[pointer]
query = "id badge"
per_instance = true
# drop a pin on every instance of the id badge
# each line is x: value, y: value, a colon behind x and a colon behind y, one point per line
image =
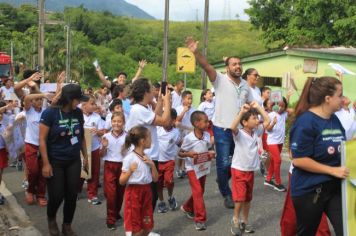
x: 74, y: 140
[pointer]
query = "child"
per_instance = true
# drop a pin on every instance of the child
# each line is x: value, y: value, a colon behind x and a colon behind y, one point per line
x: 168, y: 139
x: 111, y: 152
x: 184, y: 112
x: 94, y: 122
x: 138, y: 171
x: 197, y: 141
x: 207, y: 105
x: 115, y: 106
x: 244, y: 162
x: 36, y: 182
x: 275, y: 139
x: 3, y: 153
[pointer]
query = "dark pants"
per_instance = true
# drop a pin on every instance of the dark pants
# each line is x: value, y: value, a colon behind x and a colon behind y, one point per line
x: 63, y: 185
x: 309, y: 213
x: 224, y: 147
x: 154, y: 188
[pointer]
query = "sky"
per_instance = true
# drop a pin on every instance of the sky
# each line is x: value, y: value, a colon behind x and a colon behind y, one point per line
x: 186, y: 10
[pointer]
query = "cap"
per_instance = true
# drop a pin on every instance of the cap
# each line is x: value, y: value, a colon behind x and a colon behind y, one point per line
x: 74, y: 91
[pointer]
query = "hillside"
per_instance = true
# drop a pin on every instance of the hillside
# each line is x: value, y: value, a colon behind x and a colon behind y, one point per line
x: 116, y: 7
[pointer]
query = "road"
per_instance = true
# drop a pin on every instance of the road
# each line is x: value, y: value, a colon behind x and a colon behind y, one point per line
x: 265, y: 212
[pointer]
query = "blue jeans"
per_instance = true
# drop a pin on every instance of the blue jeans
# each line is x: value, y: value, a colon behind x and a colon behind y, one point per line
x: 224, y: 145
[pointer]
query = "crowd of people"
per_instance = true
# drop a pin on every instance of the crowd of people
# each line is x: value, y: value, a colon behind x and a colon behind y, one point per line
x: 145, y: 133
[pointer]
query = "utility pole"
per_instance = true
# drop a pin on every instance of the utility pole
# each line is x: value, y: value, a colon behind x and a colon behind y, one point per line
x: 12, y: 58
x: 165, y: 42
x: 41, y: 24
x: 67, y: 27
x: 205, y: 39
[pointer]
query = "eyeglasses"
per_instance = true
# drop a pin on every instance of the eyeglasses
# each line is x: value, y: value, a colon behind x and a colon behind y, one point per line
x: 256, y: 75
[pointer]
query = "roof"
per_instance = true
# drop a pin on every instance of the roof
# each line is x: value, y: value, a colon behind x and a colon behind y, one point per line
x: 339, y: 53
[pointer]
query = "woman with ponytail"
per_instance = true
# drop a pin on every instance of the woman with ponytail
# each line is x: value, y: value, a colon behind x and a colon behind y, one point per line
x: 315, y: 140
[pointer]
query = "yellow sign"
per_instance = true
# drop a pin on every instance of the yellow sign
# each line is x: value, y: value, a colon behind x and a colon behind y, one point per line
x: 185, y: 61
x: 349, y: 188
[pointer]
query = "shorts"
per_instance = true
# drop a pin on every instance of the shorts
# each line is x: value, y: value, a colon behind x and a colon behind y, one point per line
x: 242, y: 185
x: 138, y: 211
x: 165, y: 174
x: 3, y: 158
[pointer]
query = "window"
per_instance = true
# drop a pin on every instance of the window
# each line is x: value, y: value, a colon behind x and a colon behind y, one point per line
x: 271, y: 81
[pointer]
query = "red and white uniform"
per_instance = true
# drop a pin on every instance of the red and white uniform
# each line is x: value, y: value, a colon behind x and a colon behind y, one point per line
x: 114, y: 192
x: 138, y: 212
x: 3, y: 153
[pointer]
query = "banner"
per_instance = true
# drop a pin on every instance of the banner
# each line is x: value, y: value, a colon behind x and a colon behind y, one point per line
x: 348, y: 159
x: 202, y: 164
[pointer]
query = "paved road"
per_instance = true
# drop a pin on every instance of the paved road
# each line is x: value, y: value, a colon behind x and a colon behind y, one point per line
x: 90, y: 220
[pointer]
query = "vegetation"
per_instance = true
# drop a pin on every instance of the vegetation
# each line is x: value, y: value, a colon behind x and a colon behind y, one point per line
x: 117, y: 42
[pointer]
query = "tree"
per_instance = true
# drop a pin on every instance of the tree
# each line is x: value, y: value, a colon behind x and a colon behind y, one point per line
x: 304, y: 22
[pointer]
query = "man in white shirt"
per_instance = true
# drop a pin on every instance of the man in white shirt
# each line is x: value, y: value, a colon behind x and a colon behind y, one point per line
x: 231, y: 92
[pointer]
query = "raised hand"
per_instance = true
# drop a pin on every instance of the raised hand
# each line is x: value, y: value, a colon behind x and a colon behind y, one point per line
x: 142, y: 64
x: 192, y: 44
x: 245, y: 108
x: 61, y: 77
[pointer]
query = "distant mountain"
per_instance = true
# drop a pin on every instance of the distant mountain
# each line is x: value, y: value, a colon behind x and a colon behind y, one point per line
x: 116, y: 7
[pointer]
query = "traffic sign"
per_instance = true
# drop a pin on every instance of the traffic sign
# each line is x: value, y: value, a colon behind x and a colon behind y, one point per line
x: 185, y: 61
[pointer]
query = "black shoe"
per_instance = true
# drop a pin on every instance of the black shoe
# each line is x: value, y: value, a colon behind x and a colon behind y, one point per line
x: 229, y: 203
x: 280, y: 188
x: 269, y: 183
x: 111, y: 226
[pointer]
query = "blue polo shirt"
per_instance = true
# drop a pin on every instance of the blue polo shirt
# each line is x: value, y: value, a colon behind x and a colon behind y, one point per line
x: 317, y: 138
x: 62, y: 128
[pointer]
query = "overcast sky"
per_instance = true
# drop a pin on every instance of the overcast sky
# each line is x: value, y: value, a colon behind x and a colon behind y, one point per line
x: 186, y: 10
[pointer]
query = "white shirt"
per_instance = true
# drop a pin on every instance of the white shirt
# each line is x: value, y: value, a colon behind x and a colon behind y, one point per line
x: 348, y: 121
x: 192, y: 143
x: 185, y: 125
x: 208, y: 108
x: 7, y: 92
x: 277, y: 134
x: 229, y: 99
x: 246, y: 150
x: 33, y: 126
x: 141, y: 115
x: 94, y: 120
x: 168, y: 141
x: 256, y: 95
x: 143, y: 173
x: 176, y: 99
x: 2, y: 131
x: 113, y: 150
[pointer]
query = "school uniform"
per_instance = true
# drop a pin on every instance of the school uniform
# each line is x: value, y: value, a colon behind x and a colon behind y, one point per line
x: 36, y: 181
x: 94, y: 120
x: 209, y: 109
x: 114, y: 192
x: 185, y: 125
x: 3, y: 153
x: 138, y: 211
x: 176, y: 99
x: 168, y: 149
x: 195, y: 203
x: 244, y: 162
x: 275, y: 140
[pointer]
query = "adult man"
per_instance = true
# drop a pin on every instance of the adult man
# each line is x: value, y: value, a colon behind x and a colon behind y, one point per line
x: 231, y: 92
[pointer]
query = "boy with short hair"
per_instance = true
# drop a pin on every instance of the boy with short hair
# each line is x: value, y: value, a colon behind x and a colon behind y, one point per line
x: 244, y: 162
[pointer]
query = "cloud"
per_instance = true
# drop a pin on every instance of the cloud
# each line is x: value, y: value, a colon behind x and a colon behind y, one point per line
x: 189, y: 10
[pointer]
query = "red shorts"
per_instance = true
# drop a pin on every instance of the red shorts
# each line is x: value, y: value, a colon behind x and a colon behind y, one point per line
x: 138, y: 211
x: 3, y: 158
x: 242, y: 185
x: 165, y: 174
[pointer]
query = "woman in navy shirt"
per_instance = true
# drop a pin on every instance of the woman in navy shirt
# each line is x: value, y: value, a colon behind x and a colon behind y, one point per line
x: 315, y: 138
x: 61, y: 140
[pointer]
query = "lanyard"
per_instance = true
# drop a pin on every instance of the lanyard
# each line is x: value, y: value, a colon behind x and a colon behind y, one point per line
x: 238, y: 89
x: 69, y: 128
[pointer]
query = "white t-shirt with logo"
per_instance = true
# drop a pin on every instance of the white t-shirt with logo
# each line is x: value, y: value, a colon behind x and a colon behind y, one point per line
x: 348, y: 121
x: 113, y: 150
x: 246, y: 150
x: 94, y: 120
x: 192, y: 143
x: 142, y: 175
x: 141, y: 115
x: 176, y: 99
x: 168, y: 143
x: 33, y: 118
x: 278, y: 133
x: 229, y: 99
x: 208, y: 108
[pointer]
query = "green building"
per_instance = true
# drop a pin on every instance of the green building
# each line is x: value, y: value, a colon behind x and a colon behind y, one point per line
x: 279, y: 69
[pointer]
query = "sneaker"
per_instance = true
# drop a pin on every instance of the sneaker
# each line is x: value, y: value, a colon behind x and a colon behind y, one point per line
x: 235, y: 228
x: 200, y: 226
x: 172, y: 203
x: 189, y: 215
x: 229, y: 203
x: 184, y: 173
x: 111, y: 226
x: 13, y: 164
x: 30, y: 199
x: 153, y: 234
x: 180, y: 174
x: 19, y: 166
x: 269, y: 183
x: 280, y: 188
x: 94, y: 201
x: 24, y: 184
x: 162, y: 208
x: 249, y: 229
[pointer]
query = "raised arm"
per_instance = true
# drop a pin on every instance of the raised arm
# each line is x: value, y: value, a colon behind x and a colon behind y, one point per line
x: 141, y: 65
x: 166, y: 116
x: 265, y: 117
x: 101, y: 75
x: 27, y: 102
x: 203, y: 62
x: 236, y: 121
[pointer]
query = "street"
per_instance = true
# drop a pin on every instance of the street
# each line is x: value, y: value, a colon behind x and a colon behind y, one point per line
x: 265, y: 211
